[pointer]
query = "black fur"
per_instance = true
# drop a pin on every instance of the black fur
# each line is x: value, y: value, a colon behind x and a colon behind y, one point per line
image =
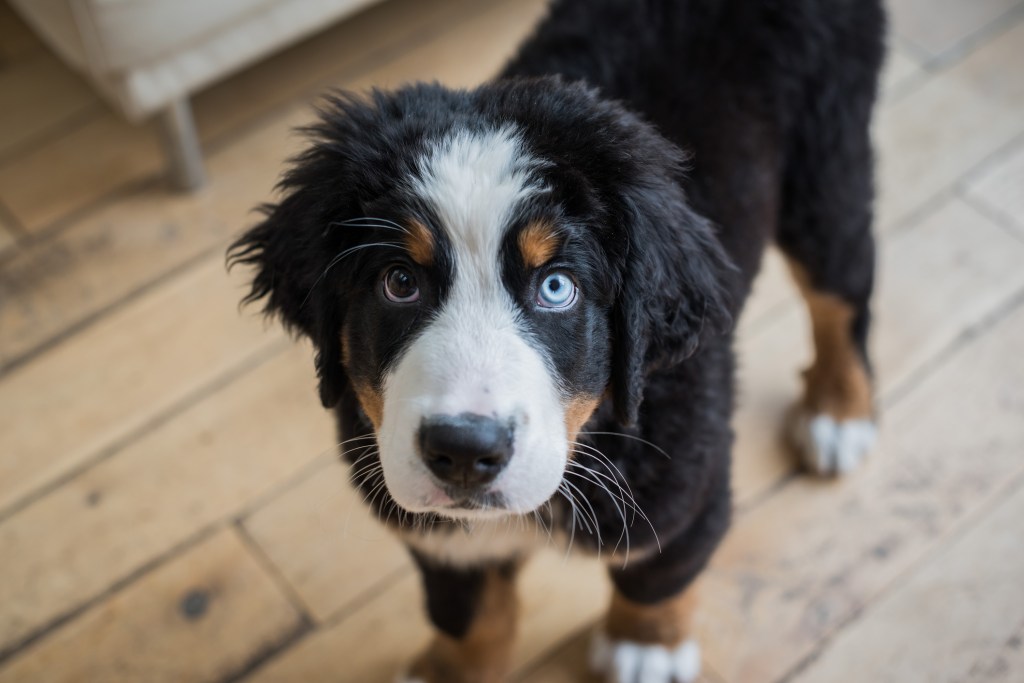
x: 771, y: 100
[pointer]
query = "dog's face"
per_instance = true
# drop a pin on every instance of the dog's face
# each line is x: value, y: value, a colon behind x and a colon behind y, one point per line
x: 481, y: 269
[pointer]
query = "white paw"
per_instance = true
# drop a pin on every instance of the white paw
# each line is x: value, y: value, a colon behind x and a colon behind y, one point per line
x: 406, y: 678
x: 830, y: 447
x: 622, y: 661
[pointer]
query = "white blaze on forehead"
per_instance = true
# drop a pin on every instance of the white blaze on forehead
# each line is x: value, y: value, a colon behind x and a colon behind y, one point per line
x: 474, y: 180
x: 475, y: 356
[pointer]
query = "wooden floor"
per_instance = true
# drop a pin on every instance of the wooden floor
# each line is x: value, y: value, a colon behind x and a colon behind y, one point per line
x: 171, y: 508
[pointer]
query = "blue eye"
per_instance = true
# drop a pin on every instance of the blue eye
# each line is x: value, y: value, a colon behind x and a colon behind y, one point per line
x: 557, y: 290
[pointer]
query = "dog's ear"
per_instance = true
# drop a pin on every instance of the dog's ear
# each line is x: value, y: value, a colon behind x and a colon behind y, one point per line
x: 291, y: 249
x: 674, y: 287
x: 287, y: 254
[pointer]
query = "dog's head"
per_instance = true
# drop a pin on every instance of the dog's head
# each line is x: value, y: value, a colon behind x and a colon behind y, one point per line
x: 483, y: 269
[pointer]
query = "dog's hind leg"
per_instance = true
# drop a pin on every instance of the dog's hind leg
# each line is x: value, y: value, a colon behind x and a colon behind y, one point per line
x: 825, y: 231
x: 475, y: 612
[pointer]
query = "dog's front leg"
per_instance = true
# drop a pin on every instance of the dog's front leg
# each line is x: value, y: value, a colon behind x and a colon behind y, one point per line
x: 647, y: 643
x: 474, y: 611
x: 647, y: 634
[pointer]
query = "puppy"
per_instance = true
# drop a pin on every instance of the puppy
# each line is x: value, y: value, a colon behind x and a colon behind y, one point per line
x: 522, y: 298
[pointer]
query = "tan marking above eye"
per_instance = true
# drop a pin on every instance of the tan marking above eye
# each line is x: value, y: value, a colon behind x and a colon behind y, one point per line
x: 538, y: 242
x: 419, y: 242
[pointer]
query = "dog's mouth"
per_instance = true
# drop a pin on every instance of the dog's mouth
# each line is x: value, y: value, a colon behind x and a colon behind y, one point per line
x: 476, y: 503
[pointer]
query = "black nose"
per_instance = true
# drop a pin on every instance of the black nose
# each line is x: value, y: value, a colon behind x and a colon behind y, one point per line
x: 465, y: 450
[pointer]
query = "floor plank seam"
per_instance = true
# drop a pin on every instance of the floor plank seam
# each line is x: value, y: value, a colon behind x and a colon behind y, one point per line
x: 207, y: 389
x: 1005, y: 151
x: 260, y: 556
x: 311, y: 628
x: 269, y: 652
x: 52, y: 133
x: 200, y: 534
x: 890, y: 398
x: 957, y: 345
x: 313, y: 467
x: 958, y: 531
x: 972, y: 42
x: 552, y: 653
x: 366, y: 597
x: 11, y: 222
x: 993, y: 214
x: 189, y: 264
x: 11, y: 650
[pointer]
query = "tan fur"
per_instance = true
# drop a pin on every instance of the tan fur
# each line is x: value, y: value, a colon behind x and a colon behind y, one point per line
x: 419, y: 242
x: 837, y: 383
x: 666, y: 623
x: 537, y: 243
x: 369, y: 398
x: 483, y: 655
x: 372, y: 402
x: 577, y: 412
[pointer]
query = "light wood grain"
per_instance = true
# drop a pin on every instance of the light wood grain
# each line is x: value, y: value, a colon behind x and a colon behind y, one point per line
x: 17, y: 42
x: 373, y: 642
x: 969, y: 600
x: 936, y: 27
x: 901, y: 70
x: 1000, y: 187
x: 58, y: 283
x: 144, y: 633
x: 811, y: 556
x: 7, y: 239
x: 217, y: 457
x: 325, y: 541
x: 971, y: 265
x: 774, y: 291
x: 83, y: 162
x: 952, y: 122
x: 38, y: 96
x: 96, y: 389
x: 372, y: 645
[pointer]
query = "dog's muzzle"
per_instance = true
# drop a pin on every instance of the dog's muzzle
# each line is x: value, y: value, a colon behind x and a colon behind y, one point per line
x: 465, y: 452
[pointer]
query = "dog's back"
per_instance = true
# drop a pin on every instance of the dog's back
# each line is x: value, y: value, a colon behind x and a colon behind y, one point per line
x: 748, y: 87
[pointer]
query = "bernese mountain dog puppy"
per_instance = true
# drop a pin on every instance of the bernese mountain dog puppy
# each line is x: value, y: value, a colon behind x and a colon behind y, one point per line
x: 521, y: 298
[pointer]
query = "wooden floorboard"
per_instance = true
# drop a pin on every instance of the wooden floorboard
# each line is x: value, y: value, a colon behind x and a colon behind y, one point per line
x: 122, y: 374
x: 171, y: 504
x: 814, y: 554
x: 201, y: 468
x: 972, y: 110
x: 201, y: 617
x: 968, y: 600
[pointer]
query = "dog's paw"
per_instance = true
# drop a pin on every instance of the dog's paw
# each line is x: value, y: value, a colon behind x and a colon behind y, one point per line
x: 408, y: 678
x: 621, y: 661
x: 828, y: 446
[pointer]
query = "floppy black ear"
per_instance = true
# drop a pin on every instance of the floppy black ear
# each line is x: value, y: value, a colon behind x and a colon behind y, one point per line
x: 674, y: 288
x: 287, y: 251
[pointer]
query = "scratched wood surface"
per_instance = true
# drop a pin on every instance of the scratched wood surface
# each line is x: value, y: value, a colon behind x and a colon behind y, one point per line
x: 171, y: 508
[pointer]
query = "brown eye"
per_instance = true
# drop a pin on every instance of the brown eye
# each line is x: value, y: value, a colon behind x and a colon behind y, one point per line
x: 400, y: 286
